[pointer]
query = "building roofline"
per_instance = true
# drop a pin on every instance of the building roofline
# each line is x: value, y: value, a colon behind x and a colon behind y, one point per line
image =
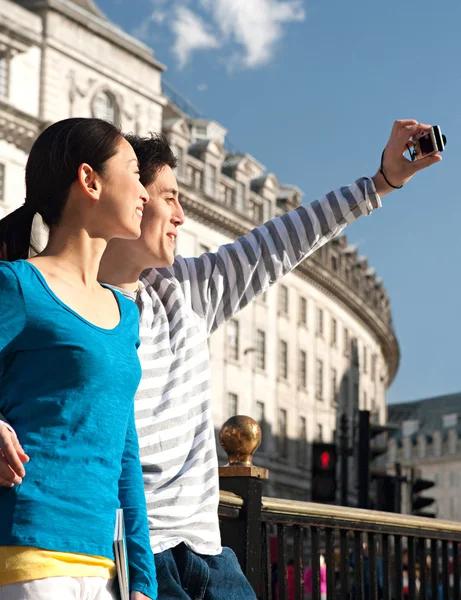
x: 97, y: 23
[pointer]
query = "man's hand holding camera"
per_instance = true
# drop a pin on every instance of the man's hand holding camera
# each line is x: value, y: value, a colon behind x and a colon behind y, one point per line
x: 396, y: 170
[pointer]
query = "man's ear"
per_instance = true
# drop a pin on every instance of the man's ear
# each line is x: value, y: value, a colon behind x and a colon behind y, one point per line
x: 89, y: 181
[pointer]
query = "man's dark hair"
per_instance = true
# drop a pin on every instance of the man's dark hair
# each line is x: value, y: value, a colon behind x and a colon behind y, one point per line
x: 153, y: 153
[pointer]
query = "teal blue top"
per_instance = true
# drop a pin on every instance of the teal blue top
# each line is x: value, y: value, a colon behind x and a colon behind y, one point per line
x: 67, y: 387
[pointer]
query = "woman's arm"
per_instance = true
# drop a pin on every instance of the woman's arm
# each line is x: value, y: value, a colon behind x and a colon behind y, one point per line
x: 12, y: 323
x: 132, y: 500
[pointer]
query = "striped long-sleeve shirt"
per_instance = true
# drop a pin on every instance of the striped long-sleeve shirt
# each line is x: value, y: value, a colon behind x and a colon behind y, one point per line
x: 180, y: 307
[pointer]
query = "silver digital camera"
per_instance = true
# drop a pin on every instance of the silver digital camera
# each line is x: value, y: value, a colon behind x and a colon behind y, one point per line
x: 429, y: 142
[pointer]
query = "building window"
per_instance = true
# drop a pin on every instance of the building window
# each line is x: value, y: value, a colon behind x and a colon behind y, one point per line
x: 347, y: 343
x: 453, y: 478
x: 202, y: 249
x: 2, y: 182
x: 260, y: 350
x: 356, y: 394
x: 319, y: 322
x: 283, y: 360
x: 365, y: 401
x: 365, y: 360
x: 200, y: 132
x: 334, y: 263
x: 373, y: 367
x: 266, y: 210
x: 4, y: 76
x: 211, y: 176
x: 194, y: 177
x: 233, y: 339
x: 283, y: 436
x: 105, y: 107
x: 345, y: 391
x: 261, y: 420
x: 260, y: 413
x: 178, y: 151
x: 233, y: 404
x: 302, y: 380
x: 240, y: 196
x: 227, y: 195
x: 302, y: 311
x: 258, y: 211
x: 355, y: 352
x: 302, y: 441
x: 334, y: 332
x: 334, y: 386
x: 319, y: 432
x: 284, y: 299
x: 319, y: 379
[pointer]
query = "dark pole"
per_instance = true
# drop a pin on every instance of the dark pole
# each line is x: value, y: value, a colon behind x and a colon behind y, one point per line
x: 364, y: 458
x: 344, y: 452
x: 398, y: 488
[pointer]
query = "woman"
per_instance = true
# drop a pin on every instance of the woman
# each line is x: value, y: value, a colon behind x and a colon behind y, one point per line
x: 69, y: 371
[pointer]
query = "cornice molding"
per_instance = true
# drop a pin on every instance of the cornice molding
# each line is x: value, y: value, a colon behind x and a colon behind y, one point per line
x: 17, y: 127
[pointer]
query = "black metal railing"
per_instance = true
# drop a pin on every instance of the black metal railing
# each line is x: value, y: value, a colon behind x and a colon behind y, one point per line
x: 299, y: 550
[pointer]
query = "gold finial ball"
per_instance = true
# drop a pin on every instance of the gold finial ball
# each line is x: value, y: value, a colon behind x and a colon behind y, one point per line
x: 240, y: 437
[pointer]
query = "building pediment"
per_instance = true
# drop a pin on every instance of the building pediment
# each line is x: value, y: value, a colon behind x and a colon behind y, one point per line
x: 266, y: 182
x: 245, y: 163
x: 178, y: 126
x: 202, y: 147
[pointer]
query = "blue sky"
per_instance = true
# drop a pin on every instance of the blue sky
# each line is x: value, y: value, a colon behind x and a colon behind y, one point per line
x: 311, y: 89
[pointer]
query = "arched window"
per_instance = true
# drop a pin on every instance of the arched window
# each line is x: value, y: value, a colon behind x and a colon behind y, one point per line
x: 105, y: 107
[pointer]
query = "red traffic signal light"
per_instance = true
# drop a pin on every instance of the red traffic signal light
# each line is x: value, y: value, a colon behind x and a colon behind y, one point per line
x: 325, y: 460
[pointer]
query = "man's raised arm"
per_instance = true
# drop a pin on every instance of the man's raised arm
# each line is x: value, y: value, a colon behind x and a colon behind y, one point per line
x: 224, y: 282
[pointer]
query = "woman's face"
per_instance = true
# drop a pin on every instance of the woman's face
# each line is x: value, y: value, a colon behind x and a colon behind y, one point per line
x: 122, y: 197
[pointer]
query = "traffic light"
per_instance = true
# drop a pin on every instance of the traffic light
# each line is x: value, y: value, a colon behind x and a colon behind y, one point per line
x: 324, y: 460
x: 388, y: 497
x: 368, y: 452
x: 418, y: 502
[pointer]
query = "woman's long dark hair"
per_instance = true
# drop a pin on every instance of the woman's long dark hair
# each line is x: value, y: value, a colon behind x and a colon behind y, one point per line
x: 52, y: 168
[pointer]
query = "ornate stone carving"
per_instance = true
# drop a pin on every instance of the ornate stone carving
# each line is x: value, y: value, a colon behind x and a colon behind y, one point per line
x: 18, y: 128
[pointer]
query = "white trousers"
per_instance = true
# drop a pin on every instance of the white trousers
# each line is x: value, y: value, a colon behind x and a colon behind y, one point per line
x: 60, y: 588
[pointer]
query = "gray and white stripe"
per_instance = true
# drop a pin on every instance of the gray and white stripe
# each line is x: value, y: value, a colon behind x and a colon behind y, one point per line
x: 180, y: 307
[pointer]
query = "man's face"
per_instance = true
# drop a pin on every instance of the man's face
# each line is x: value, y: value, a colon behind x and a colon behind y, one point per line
x: 162, y: 216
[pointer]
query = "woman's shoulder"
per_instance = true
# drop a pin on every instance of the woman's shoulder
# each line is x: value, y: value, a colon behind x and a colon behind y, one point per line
x: 17, y: 274
x: 10, y: 272
x: 11, y: 286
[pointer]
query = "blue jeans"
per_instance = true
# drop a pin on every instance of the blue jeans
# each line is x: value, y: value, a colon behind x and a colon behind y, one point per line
x: 184, y: 575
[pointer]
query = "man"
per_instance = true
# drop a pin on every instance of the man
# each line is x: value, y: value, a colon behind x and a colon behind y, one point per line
x: 181, y: 302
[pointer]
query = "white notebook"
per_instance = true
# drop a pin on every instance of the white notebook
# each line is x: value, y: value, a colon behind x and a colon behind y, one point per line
x: 121, y: 556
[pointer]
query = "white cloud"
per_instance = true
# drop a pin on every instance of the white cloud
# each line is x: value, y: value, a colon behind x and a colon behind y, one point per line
x: 159, y: 16
x: 255, y: 25
x: 191, y: 33
x: 249, y: 29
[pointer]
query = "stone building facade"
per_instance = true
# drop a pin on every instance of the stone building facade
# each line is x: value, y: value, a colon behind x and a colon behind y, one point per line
x: 60, y: 59
x: 316, y: 345
x: 429, y: 440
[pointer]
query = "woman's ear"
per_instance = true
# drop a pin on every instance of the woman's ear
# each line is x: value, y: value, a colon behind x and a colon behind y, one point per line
x: 89, y: 181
